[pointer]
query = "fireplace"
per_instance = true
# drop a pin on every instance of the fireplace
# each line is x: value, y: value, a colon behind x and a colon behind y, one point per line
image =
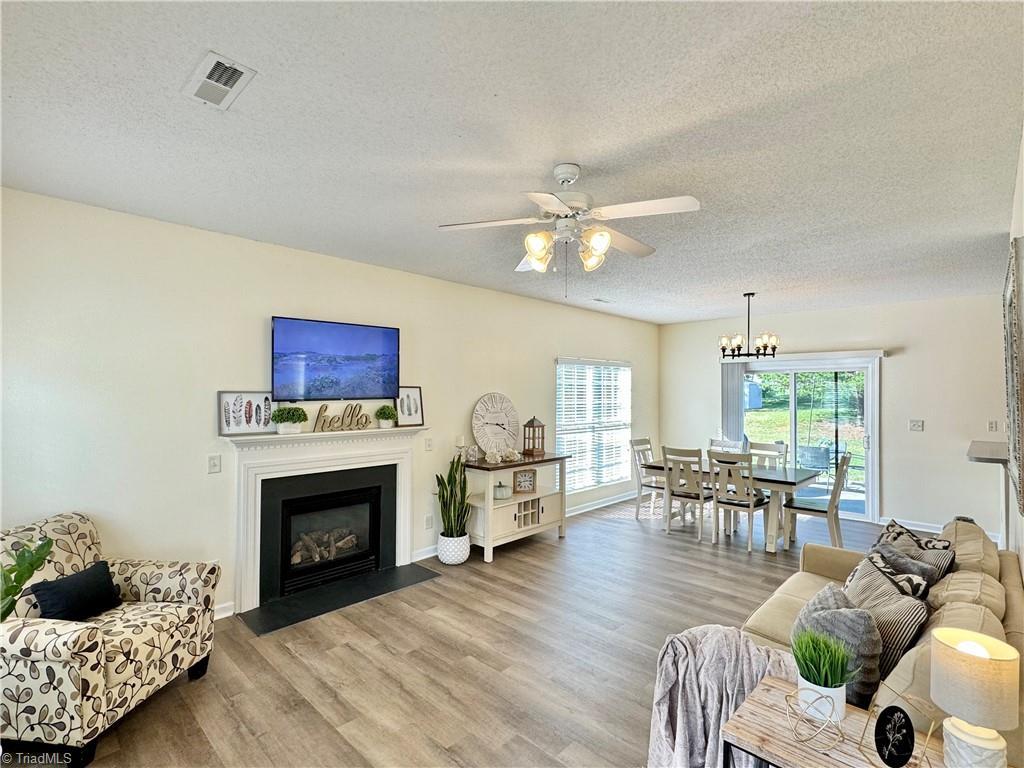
x: 325, y: 527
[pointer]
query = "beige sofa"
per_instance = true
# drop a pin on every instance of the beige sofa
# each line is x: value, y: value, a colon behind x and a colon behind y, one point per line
x: 984, y: 593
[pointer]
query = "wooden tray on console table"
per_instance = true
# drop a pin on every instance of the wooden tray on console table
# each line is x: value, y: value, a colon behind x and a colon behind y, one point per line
x: 494, y: 522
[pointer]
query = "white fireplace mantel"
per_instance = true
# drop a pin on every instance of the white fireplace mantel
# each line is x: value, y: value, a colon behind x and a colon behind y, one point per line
x: 262, y: 457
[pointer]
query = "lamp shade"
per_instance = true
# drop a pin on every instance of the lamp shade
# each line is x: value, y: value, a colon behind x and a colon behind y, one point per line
x: 975, y: 677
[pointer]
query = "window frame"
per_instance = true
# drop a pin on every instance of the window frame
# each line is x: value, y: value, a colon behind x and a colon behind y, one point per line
x: 627, y: 425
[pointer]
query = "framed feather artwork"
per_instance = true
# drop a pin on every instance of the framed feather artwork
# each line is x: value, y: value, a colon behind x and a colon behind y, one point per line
x: 244, y: 413
x: 410, y: 407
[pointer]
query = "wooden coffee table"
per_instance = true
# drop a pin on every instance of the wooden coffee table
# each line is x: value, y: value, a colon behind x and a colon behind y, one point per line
x: 759, y: 727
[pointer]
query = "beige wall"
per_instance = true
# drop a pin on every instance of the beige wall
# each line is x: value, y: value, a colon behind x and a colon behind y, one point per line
x: 945, y: 366
x: 119, y: 330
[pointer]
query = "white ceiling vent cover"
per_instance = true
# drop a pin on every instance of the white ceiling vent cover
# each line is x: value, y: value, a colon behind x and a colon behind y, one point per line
x: 218, y: 80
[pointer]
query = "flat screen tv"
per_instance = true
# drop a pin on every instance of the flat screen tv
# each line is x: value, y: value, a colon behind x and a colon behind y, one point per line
x: 320, y: 360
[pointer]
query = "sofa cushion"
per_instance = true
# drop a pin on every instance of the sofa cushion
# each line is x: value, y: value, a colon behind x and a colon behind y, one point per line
x: 897, y: 615
x: 975, y: 551
x: 969, y: 587
x: 976, y: 618
x: 909, y: 687
x: 774, y: 618
x: 832, y: 613
x: 1013, y: 624
x: 803, y: 585
x: 137, y: 636
x: 936, y: 552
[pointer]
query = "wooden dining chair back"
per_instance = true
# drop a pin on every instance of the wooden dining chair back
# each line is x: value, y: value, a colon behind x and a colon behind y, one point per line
x: 820, y: 507
x: 646, y: 483
x: 769, y: 455
x: 733, y: 491
x: 684, y: 482
x: 721, y: 444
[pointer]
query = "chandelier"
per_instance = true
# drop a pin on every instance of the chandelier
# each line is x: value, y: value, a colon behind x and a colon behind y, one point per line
x: 732, y: 345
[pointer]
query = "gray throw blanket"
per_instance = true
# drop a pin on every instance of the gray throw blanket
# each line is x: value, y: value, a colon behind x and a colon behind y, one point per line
x: 704, y: 674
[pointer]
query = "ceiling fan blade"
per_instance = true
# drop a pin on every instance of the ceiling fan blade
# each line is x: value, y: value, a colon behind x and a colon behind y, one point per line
x: 627, y: 244
x: 495, y: 223
x: 682, y: 204
x: 524, y: 265
x: 549, y: 202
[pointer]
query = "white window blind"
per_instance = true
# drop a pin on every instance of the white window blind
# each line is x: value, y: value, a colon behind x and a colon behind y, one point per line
x: 593, y: 421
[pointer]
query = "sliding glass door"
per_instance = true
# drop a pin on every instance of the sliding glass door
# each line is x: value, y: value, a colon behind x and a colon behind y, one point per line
x: 824, y: 413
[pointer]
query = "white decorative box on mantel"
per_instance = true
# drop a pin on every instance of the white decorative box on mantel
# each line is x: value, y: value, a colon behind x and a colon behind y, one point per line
x: 264, y: 456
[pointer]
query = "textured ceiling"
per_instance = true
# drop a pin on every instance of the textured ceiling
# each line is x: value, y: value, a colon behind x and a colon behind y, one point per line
x: 844, y: 153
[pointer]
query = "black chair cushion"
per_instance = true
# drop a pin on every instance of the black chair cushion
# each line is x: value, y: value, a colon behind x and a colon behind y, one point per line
x: 78, y: 596
x: 810, y: 505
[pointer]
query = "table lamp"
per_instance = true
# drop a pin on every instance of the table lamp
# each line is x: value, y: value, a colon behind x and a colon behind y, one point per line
x: 976, y: 679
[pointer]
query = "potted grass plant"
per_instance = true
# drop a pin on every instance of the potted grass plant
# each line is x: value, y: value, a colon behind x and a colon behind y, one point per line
x: 386, y: 416
x: 289, y: 420
x: 453, y: 500
x: 824, y: 670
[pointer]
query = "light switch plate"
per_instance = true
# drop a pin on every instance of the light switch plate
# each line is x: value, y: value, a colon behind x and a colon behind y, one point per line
x: 428, y: 443
x: 993, y: 426
x: 428, y: 523
x: 213, y: 464
x: 917, y: 425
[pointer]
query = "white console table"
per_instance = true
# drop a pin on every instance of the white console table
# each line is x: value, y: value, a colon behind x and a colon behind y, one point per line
x: 494, y: 522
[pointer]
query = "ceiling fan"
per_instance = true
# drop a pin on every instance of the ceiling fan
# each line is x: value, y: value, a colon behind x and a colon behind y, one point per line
x: 576, y: 220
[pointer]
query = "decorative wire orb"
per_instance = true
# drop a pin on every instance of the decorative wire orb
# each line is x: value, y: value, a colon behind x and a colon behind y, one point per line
x: 807, y: 728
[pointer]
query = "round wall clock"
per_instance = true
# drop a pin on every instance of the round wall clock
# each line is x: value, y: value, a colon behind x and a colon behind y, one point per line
x: 495, y: 423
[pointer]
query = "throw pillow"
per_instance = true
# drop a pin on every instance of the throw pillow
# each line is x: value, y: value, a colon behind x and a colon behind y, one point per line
x: 975, y: 551
x: 831, y: 612
x: 907, y: 583
x: 78, y: 596
x: 897, y: 615
x: 936, y: 552
x: 906, y: 563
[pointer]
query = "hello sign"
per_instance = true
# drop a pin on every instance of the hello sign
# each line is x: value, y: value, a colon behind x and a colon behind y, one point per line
x: 351, y: 418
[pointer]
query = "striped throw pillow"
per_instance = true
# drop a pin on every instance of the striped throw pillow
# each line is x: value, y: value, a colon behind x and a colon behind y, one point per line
x: 936, y: 552
x: 898, y: 616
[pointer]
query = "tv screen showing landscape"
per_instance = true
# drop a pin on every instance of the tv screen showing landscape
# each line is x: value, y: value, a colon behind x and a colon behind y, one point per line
x: 319, y: 360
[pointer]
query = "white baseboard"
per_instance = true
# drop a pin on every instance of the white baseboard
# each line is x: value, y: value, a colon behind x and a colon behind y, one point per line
x: 223, y: 610
x: 423, y: 554
x: 934, y: 528
x: 579, y: 509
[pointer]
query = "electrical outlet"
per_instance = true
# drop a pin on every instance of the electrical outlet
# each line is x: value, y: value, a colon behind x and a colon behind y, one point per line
x: 213, y: 464
x: 428, y: 523
x: 917, y: 425
x: 428, y: 443
x: 993, y: 426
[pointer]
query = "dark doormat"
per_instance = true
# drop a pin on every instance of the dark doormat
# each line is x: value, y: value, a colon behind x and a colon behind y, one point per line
x: 285, y: 611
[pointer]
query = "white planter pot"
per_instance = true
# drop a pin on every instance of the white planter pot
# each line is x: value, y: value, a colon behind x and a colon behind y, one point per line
x: 453, y: 551
x: 288, y: 428
x: 821, y: 703
x: 385, y: 423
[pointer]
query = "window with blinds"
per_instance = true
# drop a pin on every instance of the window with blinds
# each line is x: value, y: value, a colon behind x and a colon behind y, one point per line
x: 593, y: 421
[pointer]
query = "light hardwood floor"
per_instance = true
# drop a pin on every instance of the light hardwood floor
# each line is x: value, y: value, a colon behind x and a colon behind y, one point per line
x: 545, y: 657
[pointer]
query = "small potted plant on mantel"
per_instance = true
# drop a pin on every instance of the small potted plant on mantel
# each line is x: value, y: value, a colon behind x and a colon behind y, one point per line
x: 386, y: 416
x: 453, y: 500
x: 289, y: 420
x: 823, y: 665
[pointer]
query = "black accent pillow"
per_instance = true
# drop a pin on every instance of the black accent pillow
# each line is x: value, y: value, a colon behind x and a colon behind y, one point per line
x: 79, y: 596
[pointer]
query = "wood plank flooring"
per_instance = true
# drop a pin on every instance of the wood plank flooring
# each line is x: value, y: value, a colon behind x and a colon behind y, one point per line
x: 546, y: 657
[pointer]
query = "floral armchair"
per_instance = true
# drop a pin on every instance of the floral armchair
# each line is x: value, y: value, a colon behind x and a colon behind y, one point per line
x: 62, y: 683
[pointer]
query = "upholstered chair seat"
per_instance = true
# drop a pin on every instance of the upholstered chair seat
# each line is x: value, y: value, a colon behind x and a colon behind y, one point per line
x: 65, y: 682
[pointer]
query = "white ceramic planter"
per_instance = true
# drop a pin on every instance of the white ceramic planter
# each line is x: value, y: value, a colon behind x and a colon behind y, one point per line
x: 453, y: 551
x: 288, y: 428
x: 821, y: 703
x: 385, y: 423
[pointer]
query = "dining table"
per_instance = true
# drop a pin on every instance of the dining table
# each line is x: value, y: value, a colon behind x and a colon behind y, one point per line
x: 783, y: 482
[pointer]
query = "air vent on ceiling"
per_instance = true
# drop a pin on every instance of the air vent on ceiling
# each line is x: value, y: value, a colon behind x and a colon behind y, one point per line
x: 218, y: 80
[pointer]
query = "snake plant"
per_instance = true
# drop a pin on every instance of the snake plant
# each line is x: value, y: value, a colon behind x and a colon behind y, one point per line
x: 453, y: 498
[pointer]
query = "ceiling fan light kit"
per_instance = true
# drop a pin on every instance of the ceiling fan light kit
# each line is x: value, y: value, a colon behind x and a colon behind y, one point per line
x: 732, y: 345
x: 568, y: 211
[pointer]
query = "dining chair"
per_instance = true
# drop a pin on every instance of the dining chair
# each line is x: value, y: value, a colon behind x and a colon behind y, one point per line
x: 819, y: 507
x: 768, y: 456
x: 684, y: 481
x: 721, y: 444
x: 733, y: 491
x: 646, y: 483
